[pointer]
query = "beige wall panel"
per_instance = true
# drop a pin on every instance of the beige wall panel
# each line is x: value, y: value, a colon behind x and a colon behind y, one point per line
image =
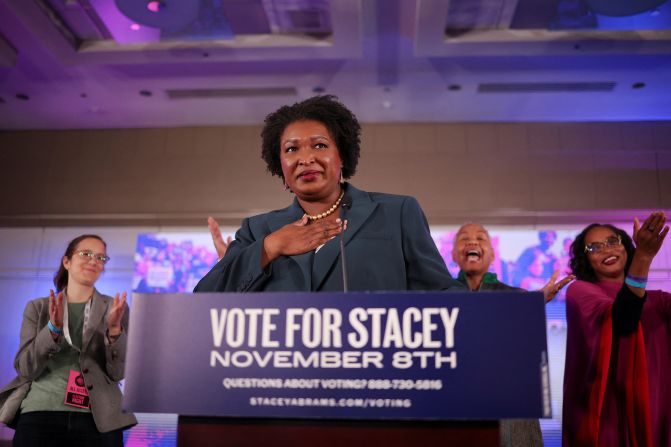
x: 626, y: 180
x: 456, y: 170
x: 605, y: 137
x: 512, y: 138
x: 664, y: 178
x: 575, y: 137
x: 207, y: 143
x: 460, y: 188
x: 73, y: 186
x: 387, y: 139
x: 637, y: 136
x: 367, y: 139
x: 661, y: 136
x: 482, y: 138
x: 451, y: 138
x: 241, y: 146
x: 24, y: 173
x: 543, y: 137
x: 242, y: 178
x: 562, y: 182
x: 177, y: 140
x: 511, y: 182
x: 420, y: 138
x: 446, y: 185
x: 383, y: 174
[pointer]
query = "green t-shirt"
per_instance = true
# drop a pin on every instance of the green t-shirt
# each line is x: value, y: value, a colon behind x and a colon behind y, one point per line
x: 47, y: 392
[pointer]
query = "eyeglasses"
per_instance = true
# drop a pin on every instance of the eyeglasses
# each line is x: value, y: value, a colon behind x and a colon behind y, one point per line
x: 610, y: 242
x: 103, y: 259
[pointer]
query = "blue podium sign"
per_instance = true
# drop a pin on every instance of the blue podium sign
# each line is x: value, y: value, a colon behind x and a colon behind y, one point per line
x: 405, y: 355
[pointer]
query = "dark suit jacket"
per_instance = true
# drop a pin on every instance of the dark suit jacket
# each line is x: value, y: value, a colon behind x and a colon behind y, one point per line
x: 387, y: 247
x: 101, y: 363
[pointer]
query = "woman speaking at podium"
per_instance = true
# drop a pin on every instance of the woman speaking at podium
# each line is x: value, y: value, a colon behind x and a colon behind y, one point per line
x: 313, y: 147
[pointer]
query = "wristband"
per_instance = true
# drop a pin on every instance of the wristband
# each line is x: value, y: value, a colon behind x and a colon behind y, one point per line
x: 635, y: 281
x: 638, y: 278
x: 54, y: 329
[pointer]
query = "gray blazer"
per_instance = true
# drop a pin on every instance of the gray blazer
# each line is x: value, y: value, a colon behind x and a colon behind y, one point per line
x: 387, y: 247
x: 102, y: 364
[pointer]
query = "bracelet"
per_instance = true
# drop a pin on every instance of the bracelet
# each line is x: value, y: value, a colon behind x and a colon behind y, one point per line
x: 638, y: 278
x: 54, y: 329
x: 636, y: 281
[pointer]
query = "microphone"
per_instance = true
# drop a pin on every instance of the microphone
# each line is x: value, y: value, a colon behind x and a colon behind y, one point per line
x: 345, y: 204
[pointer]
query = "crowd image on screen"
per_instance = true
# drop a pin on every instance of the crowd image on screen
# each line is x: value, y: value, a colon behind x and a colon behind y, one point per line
x: 165, y: 266
x: 531, y: 270
x: 174, y: 265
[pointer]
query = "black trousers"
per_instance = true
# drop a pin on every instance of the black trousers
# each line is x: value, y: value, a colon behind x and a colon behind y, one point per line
x: 62, y: 428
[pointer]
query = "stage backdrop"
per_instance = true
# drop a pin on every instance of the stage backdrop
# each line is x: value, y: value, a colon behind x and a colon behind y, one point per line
x: 148, y: 260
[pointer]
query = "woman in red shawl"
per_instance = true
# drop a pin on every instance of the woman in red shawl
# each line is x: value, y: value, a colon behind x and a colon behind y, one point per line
x: 617, y: 389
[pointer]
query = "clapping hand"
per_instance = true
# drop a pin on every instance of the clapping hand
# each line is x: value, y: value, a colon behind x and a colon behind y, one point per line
x: 115, y: 315
x: 552, y: 287
x: 56, y: 310
x: 220, y: 244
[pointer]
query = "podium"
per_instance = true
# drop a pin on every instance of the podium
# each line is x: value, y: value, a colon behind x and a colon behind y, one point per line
x: 198, y: 431
x: 402, y: 368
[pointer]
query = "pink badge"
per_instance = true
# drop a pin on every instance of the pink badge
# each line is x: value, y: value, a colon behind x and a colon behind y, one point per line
x: 76, y: 394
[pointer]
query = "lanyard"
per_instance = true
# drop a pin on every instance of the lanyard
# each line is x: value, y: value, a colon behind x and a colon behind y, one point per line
x: 66, y: 327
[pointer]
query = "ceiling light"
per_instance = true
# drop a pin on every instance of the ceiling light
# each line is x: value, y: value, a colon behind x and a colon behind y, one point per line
x: 622, y: 8
x: 155, y: 6
x: 135, y: 27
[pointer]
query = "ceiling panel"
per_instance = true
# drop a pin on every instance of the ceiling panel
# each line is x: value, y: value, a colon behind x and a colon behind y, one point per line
x: 89, y: 64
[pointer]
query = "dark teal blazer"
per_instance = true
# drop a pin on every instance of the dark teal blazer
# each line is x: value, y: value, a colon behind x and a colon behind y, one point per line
x: 387, y: 247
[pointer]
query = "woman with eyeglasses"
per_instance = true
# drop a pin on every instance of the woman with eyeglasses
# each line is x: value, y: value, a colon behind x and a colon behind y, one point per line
x: 71, y: 359
x: 618, y: 348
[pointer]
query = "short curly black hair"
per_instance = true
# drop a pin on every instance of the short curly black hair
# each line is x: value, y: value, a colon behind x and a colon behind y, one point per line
x: 579, y: 262
x: 338, y: 119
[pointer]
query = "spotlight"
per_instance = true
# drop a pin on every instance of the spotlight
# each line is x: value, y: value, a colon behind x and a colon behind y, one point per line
x: 155, y: 6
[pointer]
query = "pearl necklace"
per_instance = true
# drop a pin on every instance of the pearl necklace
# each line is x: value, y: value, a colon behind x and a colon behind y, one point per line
x: 329, y: 211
